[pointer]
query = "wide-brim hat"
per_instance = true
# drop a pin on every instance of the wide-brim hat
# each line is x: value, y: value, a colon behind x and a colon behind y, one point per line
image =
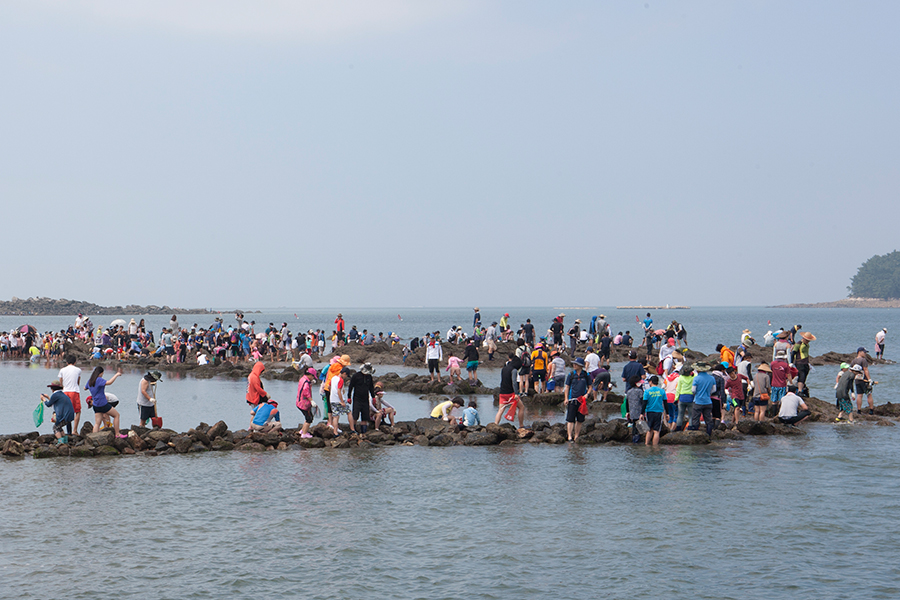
x: 808, y: 336
x: 578, y: 320
x: 578, y: 361
x: 154, y: 375
x: 746, y: 331
x: 702, y: 367
x: 367, y: 369
x: 56, y: 384
x: 562, y: 314
x: 345, y: 360
x: 765, y: 368
x: 782, y: 335
x: 602, y: 316
x: 677, y: 356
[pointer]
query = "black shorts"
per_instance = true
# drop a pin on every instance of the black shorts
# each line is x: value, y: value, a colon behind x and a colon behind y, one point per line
x: 654, y: 421
x: 604, y: 354
x: 802, y: 372
x: 170, y: 350
x: 361, y: 411
x: 557, y: 339
x: 434, y: 365
x: 572, y: 414
x: 862, y: 386
x: 307, y: 414
x: 60, y: 425
x: 147, y: 412
x: 103, y: 409
x: 716, y: 408
x: 539, y: 375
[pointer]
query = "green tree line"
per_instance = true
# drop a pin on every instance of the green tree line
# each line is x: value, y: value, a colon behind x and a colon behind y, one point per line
x: 878, y: 277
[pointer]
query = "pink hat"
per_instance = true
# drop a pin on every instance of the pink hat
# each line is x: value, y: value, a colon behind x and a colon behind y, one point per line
x: 671, y: 341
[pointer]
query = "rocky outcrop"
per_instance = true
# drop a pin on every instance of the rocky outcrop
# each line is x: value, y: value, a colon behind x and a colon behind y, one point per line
x: 47, y: 306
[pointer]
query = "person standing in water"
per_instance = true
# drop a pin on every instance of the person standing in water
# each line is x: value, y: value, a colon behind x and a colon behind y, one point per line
x: 70, y: 376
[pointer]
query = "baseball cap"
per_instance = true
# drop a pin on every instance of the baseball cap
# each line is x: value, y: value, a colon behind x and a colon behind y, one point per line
x: 861, y: 349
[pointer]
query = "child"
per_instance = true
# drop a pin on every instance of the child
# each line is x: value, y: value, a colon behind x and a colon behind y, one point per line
x: 734, y: 387
x: 653, y: 405
x: 453, y: 366
x: 470, y: 415
x: 380, y: 408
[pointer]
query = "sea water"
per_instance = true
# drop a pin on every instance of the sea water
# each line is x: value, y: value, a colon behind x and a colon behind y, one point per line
x: 801, y: 517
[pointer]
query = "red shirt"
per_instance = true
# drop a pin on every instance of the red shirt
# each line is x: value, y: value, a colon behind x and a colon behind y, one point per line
x: 735, y: 387
x: 780, y: 371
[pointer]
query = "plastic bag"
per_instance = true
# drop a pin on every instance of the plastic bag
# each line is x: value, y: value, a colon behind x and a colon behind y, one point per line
x: 38, y: 414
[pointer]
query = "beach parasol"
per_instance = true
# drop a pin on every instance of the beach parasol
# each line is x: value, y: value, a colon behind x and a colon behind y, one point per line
x: 118, y: 323
x: 26, y: 329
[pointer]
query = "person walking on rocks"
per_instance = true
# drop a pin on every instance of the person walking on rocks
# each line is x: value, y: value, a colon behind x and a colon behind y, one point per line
x: 471, y: 356
x: 339, y: 329
x: 146, y: 398
x: 574, y: 333
x: 802, y: 362
x: 539, y: 361
x: 361, y: 390
x: 703, y: 386
x: 863, y: 381
x: 70, y: 376
x: 96, y: 385
x: 843, y: 390
x: 879, y: 343
x: 433, y: 356
x: 576, y: 391
x: 62, y: 409
x: 762, y: 390
x: 304, y: 400
x: 509, y: 402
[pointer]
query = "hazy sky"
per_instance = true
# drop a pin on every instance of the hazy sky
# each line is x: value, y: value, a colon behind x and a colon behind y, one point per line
x: 272, y: 153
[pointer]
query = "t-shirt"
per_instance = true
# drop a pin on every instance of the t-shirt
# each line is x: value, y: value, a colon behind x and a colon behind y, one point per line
x: 433, y: 351
x: 635, y: 399
x: 559, y: 367
x: 633, y: 368
x: 471, y: 353
x: 591, y: 362
x: 605, y: 341
x: 98, y: 392
x: 790, y: 403
x: 506, y: 378
x: 265, y: 413
x: 780, y: 371
x: 879, y: 337
x: 62, y: 407
x: 704, y: 384
x: 735, y: 387
x: 68, y: 376
x: 470, y: 417
x: 538, y: 360
x: 762, y: 383
x: 438, y: 411
x: 578, y: 383
x: 654, y: 400
x: 601, y: 380
x: 528, y: 328
x: 861, y: 361
x: 844, y: 385
x: 337, y: 387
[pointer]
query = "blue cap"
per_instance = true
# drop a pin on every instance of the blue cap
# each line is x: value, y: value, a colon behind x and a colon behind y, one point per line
x: 861, y: 349
x: 579, y: 361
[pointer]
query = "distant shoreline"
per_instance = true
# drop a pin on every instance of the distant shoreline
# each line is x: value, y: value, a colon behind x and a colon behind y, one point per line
x: 48, y: 307
x: 848, y: 303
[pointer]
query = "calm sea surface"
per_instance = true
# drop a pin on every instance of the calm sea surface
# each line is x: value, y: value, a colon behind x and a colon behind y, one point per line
x: 812, y: 517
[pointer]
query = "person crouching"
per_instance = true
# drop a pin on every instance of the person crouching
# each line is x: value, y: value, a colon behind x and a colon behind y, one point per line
x: 266, y: 418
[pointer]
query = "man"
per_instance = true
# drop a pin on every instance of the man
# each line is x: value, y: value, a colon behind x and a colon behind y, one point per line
x: 801, y: 362
x: 539, y: 361
x: 266, y: 418
x: 843, y: 390
x: 601, y: 327
x: 632, y: 368
x: 528, y: 328
x: 62, y: 409
x: 476, y: 320
x: 591, y: 363
x: 627, y: 340
x: 471, y: 356
x: 647, y: 324
x: 782, y: 373
x: 433, y: 355
x: 863, y: 381
x: 793, y: 409
x: 509, y: 402
x: 702, y: 387
x: 491, y: 340
x: 879, y: 343
x: 339, y: 329
x: 556, y: 328
x: 147, y: 397
x: 602, y: 383
x: 654, y: 404
x: 782, y: 348
x: 362, y: 389
x: 605, y: 342
x: 505, y: 330
x: 168, y: 343
x: 576, y: 391
x: 70, y: 376
x: 574, y: 334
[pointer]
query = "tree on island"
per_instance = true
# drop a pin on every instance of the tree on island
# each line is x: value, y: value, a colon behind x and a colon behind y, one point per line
x: 878, y: 277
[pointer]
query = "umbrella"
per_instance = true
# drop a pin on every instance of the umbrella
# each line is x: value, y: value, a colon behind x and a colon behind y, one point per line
x: 26, y: 329
x: 119, y: 322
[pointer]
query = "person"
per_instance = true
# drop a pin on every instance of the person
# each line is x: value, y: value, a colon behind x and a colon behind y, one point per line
x: 63, y: 411
x: 255, y: 391
x: 802, y: 361
x: 627, y: 340
x: 476, y: 319
x: 524, y: 376
x: 634, y: 406
x: 762, y: 389
x: 339, y: 330
x: 173, y: 325
x: 703, y: 386
x: 605, y: 342
x: 528, y: 329
x: 168, y: 343
x: 96, y: 385
x: 843, y: 389
x: 444, y: 409
x: 539, y: 360
x: 575, y: 392
x: 879, y: 343
x: 591, y: 362
x: 654, y: 405
x: 510, y: 403
x: 602, y: 383
x: 734, y: 390
x: 681, y: 335
x: 601, y: 328
x: 781, y: 375
x: 433, y: 355
x: 337, y: 399
x: 793, y: 409
x: 647, y: 323
x: 557, y: 370
x: 556, y: 328
x: 490, y: 340
x: 266, y: 417
x: 574, y: 333
x: 383, y: 410
x: 684, y: 395
x: 862, y: 386
x: 470, y: 415
x: 632, y: 368
x: 454, y: 367
x: 70, y: 376
x: 726, y: 355
x: 782, y: 348
x: 471, y: 356
x: 361, y: 390
x: 146, y: 398
x: 304, y: 400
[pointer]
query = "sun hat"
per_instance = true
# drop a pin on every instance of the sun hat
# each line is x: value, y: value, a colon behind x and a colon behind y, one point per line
x: 345, y: 360
x: 562, y: 314
x: 602, y: 316
x: 808, y: 336
x: 579, y: 361
x: 702, y: 367
x: 56, y: 384
x: 155, y: 375
x: 311, y: 371
x: 746, y: 331
x: 677, y: 356
x: 782, y: 335
x: 857, y: 368
x: 476, y: 308
x: 845, y: 366
x: 764, y: 367
x: 367, y: 369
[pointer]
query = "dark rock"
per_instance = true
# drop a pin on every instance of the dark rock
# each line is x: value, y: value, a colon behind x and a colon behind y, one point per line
x: 540, y: 436
x: 217, y: 430
x: 313, y: 442
x: 161, y: 447
x: 197, y: 447
x: 554, y: 437
x: 220, y: 444
x: 685, y: 438
x: 87, y: 428
x: 782, y: 429
x: 182, y: 443
x: 151, y: 453
x: 509, y: 443
x: 364, y: 443
x: 45, y: 452
x: 141, y: 431
x: 128, y: 450
x: 401, y: 427
x: 481, y: 438
x: 104, y: 437
x: 251, y: 447
x: 341, y: 442
x: 323, y: 431
x: 422, y: 440
x: 13, y: 448
x: 431, y: 427
x: 610, y: 431
x: 120, y: 443
x: 63, y: 449
x: 240, y: 435
x: 378, y: 437
x: 47, y: 438
x: 160, y: 435
x: 729, y: 434
x: 137, y: 443
x: 539, y: 425
x: 748, y: 427
x: 199, y: 436
x: 442, y: 439
x: 81, y: 451
x: 105, y: 451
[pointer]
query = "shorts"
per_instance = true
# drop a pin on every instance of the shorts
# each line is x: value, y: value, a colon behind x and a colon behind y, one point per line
x: 147, y: 412
x: 604, y: 354
x: 361, y: 411
x: 654, y: 421
x: 339, y: 409
x: 59, y: 426
x: 170, y: 350
x: 844, y: 405
x: 326, y: 402
x: 572, y: 413
x: 557, y: 339
x: 508, y: 398
x: 777, y: 394
x: 102, y: 409
x: 434, y: 366
x: 75, y: 397
x: 802, y: 372
x: 472, y: 365
x: 539, y: 375
x: 716, y: 408
x: 861, y: 386
x: 759, y: 402
x: 307, y: 414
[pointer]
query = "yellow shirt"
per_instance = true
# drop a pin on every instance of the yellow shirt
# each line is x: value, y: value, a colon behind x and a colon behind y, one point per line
x: 438, y: 412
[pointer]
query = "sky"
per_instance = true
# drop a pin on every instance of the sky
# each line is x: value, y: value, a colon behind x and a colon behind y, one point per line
x: 365, y: 153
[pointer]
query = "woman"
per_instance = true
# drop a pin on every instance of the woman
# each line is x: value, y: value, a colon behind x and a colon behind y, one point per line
x: 304, y: 400
x: 762, y: 391
x: 97, y: 387
x: 146, y: 398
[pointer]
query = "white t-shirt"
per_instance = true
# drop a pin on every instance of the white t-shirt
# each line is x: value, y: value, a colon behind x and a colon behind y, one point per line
x: 879, y: 338
x: 337, y: 384
x: 790, y: 404
x: 591, y: 362
x: 69, y: 375
x: 435, y: 351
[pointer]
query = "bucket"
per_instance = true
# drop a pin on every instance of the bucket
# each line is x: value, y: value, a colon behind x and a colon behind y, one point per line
x: 551, y: 385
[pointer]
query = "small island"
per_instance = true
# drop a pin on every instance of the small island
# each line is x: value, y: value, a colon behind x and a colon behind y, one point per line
x: 61, y: 307
x: 875, y: 285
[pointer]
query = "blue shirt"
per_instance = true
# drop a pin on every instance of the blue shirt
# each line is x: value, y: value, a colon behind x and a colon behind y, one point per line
x: 62, y: 407
x: 655, y: 400
x: 470, y: 417
x: 578, y: 384
x: 704, y: 384
x: 263, y: 413
x: 98, y: 392
x: 631, y: 369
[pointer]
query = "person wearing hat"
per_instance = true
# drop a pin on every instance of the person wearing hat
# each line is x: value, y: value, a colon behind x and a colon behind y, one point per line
x: 63, y: 412
x: 703, y: 387
x: 601, y: 327
x: 879, y: 343
x: 490, y: 340
x: 578, y: 387
x: 433, y: 355
x: 505, y: 331
x: 762, y: 390
x: 843, y: 389
x: 782, y: 348
x: 266, y: 417
x: 574, y: 333
x: 801, y: 363
x: 304, y: 399
x: 539, y: 365
x: 70, y: 376
x: 361, y: 390
x: 146, y: 398
x: 863, y: 387
x: 476, y: 319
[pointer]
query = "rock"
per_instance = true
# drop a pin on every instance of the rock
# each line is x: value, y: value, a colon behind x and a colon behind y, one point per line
x: 282, y: 446
x: 442, y: 439
x: 45, y: 452
x: 13, y: 448
x: 509, y: 443
x: 554, y: 437
x: 685, y: 438
x: 182, y: 443
x: 81, y: 451
x: 432, y: 427
x: 539, y: 436
x: 198, y: 447
x: 341, y: 442
x: 313, y: 442
x: 128, y: 450
x: 364, y: 443
x: 323, y: 431
x: 611, y: 431
x: 524, y: 434
x: 421, y: 440
x: 199, y: 436
x: 239, y: 436
x: 87, y: 428
x: 220, y: 444
x: 730, y: 434
x: 217, y: 430
x: 137, y: 443
x: 105, y: 451
x: 141, y: 431
x: 47, y: 438
x: 378, y: 437
x: 160, y: 435
x: 748, y: 427
x: 101, y: 438
x: 539, y: 425
x: 480, y: 438
x: 63, y: 449
x: 252, y: 447
x: 161, y: 447
x: 782, y: 429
